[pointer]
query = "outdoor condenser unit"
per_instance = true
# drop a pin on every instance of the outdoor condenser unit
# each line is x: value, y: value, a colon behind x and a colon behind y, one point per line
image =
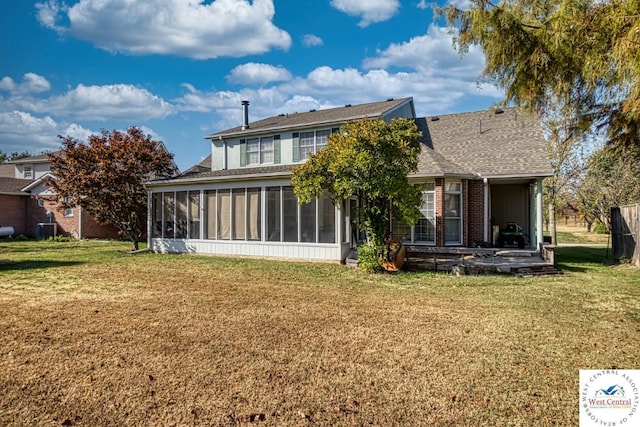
x: 44, y: 230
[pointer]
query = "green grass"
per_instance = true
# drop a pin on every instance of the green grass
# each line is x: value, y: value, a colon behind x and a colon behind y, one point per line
x: 91, y: 335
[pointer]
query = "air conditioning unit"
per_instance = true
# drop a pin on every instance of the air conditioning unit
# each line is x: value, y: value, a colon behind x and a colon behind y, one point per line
x: 44, y: 230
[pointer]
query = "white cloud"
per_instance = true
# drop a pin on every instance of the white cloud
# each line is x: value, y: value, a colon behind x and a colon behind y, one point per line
x: 369, y: 11
x: 431, y: 55
x: 193, y: 28
x: 309, y: 40
x: 22, y: 131
x: 107, y: 102
x: 253, y: 73
x: 31, y: 83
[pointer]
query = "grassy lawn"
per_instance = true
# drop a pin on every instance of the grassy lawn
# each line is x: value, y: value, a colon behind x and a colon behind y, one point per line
x: 92, y: 336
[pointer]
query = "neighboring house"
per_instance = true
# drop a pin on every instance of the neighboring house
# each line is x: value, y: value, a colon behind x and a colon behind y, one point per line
x: 480, y: 169
x: 27, y: 206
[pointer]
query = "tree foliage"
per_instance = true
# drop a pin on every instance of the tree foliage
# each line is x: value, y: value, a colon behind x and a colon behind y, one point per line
x: 370, y: 159
x: 8, y: 157
x: 581, y: 54
x: 612, y: 178
x: 106, y: 177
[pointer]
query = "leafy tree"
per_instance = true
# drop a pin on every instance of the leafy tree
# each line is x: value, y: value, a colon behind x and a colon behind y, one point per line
x: 612, y: 178
x: 106, y: 177
x: 6, y: 157
x: 370, y: 159
x: 581, y: 54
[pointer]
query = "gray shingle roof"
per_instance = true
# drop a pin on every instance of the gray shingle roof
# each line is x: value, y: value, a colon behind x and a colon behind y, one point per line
x: 508, y: 144
x: 482, y: 142
x: 13, y: 186
x: 315, y: 117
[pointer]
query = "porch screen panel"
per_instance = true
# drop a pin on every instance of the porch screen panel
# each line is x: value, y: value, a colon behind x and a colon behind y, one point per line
x: 289, y: 215
x: 253, y: 214
x: 239, y: 214
x: 194, y: 214
x: 182, y: 201
x: 308, y: 222
x: 273, y: 214
x: 210, y: 225
x: 168, y: 225
x: 326, y: 220
x: 452, y: 212
x: 224, y: 215
x: 156, y: 209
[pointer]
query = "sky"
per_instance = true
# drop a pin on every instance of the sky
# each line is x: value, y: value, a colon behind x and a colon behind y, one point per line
x: 179, y: 69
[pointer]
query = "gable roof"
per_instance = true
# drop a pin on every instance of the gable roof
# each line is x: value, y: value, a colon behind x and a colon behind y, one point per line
x: 480, y: 144
x: 318, y: 117
x: 41, y: 158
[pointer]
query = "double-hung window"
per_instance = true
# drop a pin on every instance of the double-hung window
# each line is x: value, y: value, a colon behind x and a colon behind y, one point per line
x: 425, y: 229
x: 260, y: 151
x: 308, y: 143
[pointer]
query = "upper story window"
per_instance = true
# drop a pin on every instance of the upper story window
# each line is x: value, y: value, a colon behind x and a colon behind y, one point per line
x: 306, y: 144
x: 28, y: 171
x: 260, y: 151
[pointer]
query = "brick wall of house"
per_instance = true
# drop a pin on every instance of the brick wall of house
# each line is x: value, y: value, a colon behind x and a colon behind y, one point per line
x: 66, y: 225
x: 439, y: 211
x: 475, y: 212
x: 12, y: 213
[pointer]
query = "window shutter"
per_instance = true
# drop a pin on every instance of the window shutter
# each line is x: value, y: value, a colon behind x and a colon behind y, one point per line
x: 276, y: 149
x: 296, y: 147
x: 243, y: 152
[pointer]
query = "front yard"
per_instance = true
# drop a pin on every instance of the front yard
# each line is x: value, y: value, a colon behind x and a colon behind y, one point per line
x: 92, y: 336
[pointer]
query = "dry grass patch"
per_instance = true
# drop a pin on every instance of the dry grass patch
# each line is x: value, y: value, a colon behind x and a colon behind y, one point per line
x: 91, y: 336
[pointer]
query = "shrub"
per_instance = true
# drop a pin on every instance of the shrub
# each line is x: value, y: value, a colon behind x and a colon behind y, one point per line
x: 370, y: 257
x: 600, y: 228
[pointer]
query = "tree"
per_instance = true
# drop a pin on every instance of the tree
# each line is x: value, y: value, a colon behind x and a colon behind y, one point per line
x: 584, y: 54
x: 370, y: 159
x: 612, y: 178
x: 6, y: 157
x: 106, y: 177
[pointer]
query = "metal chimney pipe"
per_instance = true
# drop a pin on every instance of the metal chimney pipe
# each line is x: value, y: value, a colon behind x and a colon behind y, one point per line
x: 245, y: 115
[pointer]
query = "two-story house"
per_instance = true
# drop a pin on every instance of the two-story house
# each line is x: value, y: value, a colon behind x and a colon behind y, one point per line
x: 26, y: 204
x: 479, y: 169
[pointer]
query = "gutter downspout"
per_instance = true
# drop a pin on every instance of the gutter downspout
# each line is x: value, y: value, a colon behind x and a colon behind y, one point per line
x: 79, y: 222
x: 485, y: 230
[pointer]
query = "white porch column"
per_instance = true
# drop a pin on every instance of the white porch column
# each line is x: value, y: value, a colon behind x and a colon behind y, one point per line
x: 485, y: 216
x: 532, y: 215
x: 539, y: 230
x: 149, y: 217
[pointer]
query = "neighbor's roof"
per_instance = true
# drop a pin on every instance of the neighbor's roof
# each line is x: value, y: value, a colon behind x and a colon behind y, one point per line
x: 13, y: 186
x: 317, y: 117
x: 41, y: 158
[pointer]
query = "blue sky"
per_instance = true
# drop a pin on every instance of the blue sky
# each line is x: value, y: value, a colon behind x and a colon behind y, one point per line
x: 180, y: 68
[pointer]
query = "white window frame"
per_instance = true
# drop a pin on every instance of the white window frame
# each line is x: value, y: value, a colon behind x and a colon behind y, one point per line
x: 263, y: 150
x: 27, y: 171
x: 315, y: 140
x: 458, y: 217
x: 424, y: 212
x: 68, y: 212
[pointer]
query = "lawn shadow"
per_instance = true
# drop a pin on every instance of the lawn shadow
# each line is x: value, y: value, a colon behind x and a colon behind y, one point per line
x: 34, y: 264
x: 582, y: 258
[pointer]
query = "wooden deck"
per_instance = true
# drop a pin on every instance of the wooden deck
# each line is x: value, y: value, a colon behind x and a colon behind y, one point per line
x: 473, y: 261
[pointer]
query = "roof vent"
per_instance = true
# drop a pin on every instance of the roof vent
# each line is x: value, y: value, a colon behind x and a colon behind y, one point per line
x: 348, y: 105
x: 499, y: 111
x: 389, y: 99
x: 312, y: 110
x: 435, y: 118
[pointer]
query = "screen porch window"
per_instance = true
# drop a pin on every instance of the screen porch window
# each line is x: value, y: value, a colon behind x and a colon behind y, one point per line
x: 453, y: 213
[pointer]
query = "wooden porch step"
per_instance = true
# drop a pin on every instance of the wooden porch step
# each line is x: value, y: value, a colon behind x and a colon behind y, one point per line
x: 548, y: 270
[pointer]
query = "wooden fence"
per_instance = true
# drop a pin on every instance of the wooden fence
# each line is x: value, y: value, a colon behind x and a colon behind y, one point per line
x: 625, y: 232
